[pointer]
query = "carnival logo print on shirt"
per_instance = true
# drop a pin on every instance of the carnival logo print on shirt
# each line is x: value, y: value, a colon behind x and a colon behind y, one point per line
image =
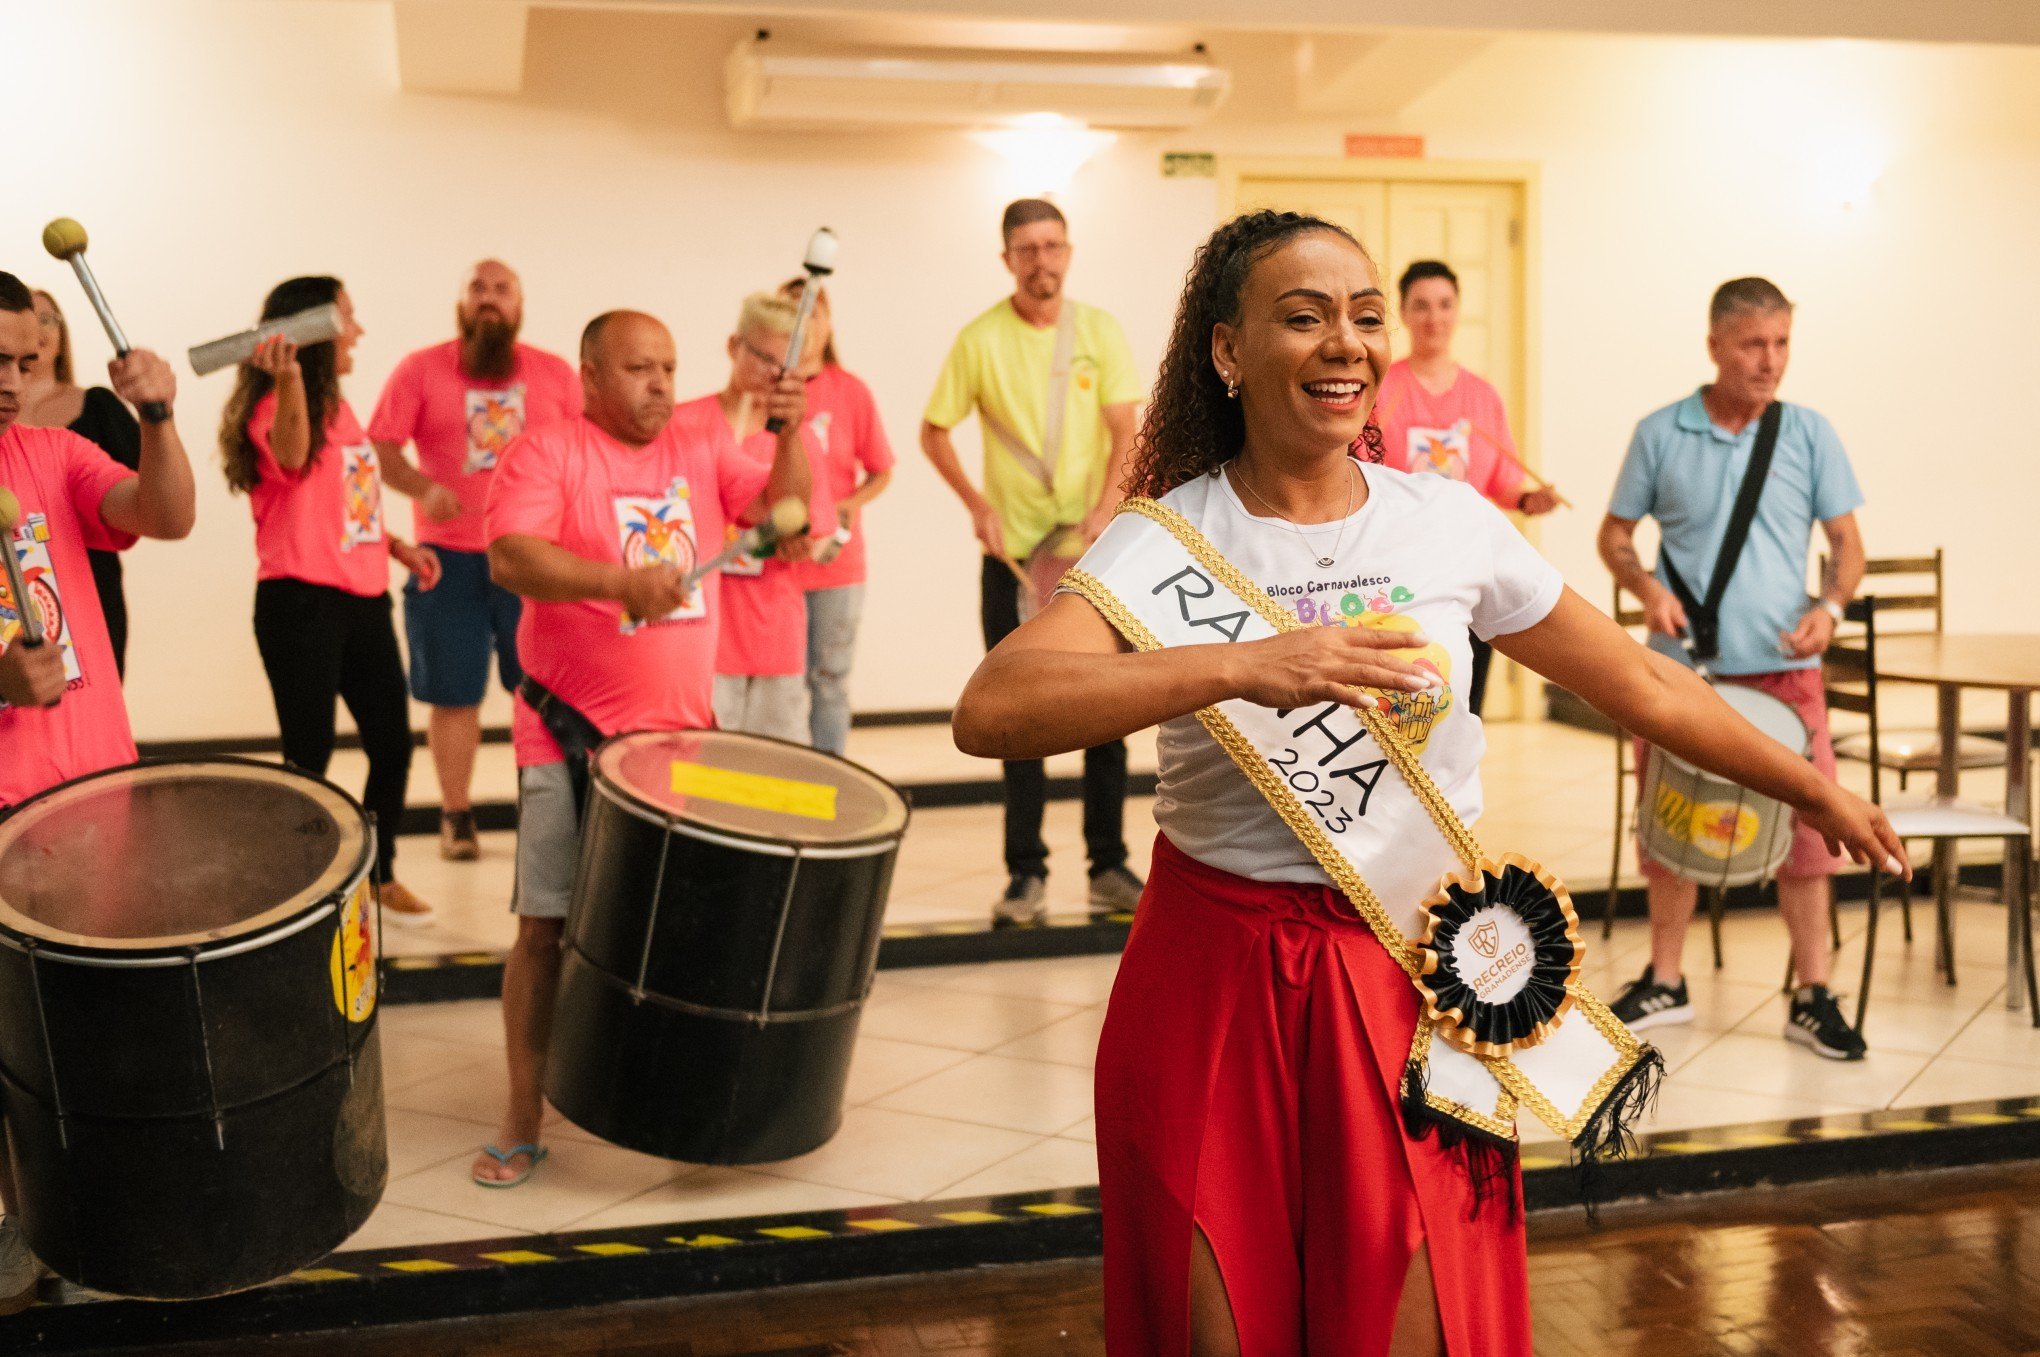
x: 818, y: 427
x: 659, y: 530
x: 1377, y: 602
x: 363, y: 484
x: 494, y: 419
x: 39, y: 578
x: 1442, y: 452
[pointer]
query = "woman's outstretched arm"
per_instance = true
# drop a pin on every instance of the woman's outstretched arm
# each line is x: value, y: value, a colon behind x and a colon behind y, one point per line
x: 1581, y: 649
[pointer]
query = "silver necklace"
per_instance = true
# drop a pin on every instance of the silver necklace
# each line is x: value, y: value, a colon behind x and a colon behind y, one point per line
x: 1323, y: 562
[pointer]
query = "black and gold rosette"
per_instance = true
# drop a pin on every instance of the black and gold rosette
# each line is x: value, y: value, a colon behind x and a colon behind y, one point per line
x: 1500, y: 949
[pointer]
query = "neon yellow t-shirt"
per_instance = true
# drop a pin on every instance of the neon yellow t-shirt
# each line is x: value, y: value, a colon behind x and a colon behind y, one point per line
x: 999, y: 367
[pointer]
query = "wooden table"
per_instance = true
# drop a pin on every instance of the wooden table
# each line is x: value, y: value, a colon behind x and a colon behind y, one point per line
x: 2003, y: 662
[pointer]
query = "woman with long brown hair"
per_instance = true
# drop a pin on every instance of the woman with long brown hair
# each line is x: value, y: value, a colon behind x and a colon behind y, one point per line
x: 289, y: 441
x: 52, y: 400
x: 1279, y: 1174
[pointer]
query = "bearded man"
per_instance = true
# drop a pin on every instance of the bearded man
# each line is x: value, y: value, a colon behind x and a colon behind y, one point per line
x: 461, y: 403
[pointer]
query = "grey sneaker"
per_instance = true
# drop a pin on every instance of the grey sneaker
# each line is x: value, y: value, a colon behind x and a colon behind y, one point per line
x: 1024, y: 904
x: 1115, y: 891
x: 20, y: 1270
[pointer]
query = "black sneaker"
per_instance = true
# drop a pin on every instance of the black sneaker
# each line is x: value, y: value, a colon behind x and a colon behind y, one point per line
x: 1114, y: 891
x: 1024, y: 905
x: 1816, y: 1022
x: 1645, y: 1003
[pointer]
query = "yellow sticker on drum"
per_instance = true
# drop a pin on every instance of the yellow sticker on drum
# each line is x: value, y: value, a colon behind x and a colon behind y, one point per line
x: 354, y: 957
x: 810, y: 800
x: 1720, y: 829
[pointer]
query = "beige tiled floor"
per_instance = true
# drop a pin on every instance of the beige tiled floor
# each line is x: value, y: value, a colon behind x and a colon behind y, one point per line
x: 975, y: 1079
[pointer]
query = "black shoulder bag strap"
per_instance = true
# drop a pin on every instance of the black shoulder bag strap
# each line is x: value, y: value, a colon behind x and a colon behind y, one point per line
x: 575, y: 734
x: 1703, y: 616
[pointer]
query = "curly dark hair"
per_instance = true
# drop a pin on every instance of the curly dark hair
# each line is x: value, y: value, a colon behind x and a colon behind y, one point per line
x: 318, y: 363
x: 1191, y: 426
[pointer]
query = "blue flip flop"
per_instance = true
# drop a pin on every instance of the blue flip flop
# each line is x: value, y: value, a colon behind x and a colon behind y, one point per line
x: 538, y: 1154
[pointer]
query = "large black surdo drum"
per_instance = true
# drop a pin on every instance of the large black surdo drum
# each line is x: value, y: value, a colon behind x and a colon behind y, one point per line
x: 721, y: 943
x: 188, y: 1057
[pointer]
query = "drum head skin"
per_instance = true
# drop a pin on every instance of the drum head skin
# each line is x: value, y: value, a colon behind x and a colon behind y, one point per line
x: 751, y: 786
x: 175, y: 854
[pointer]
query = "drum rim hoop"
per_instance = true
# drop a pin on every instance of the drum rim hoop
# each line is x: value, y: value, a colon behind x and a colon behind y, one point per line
x: 621, y: 798
x: 333, y: 885
x: 630, y: 801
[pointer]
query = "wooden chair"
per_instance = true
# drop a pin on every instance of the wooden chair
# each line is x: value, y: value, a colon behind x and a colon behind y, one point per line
x: 1910, y: 607
x: 1931, y: 819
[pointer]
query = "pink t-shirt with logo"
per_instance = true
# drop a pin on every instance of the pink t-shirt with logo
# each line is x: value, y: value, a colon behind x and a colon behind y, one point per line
x: 574, y: 486
x: 1461, y: 434
x: 61, y: 480
x: 323, y: 523
x: 462, y: 424
x: 764, y: 609
x: 844, y: 431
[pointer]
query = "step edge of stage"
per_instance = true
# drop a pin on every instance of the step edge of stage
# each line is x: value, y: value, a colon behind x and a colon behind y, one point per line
x: 535, y: 1273
x: 443, y: 977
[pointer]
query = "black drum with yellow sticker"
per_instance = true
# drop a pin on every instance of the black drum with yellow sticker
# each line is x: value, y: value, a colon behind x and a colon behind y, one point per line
x: 722, y: 941
x: 188, y: 1054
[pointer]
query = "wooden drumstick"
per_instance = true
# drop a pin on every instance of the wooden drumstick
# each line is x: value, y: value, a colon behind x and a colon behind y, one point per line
x: 31, y: 619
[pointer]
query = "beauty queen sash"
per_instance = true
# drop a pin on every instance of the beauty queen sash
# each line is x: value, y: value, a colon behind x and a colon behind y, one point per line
x: 1494, y: 951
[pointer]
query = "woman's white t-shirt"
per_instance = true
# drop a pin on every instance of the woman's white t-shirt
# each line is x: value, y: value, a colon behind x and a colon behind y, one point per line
x: 1423, y: 553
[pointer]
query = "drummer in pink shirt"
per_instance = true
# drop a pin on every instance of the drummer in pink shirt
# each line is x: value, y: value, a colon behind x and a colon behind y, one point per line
x: 61, y: 711
x: 291, y: 443
x: 595, y: 523
x: 855, y: 461
x: 761, y: 654
x: 1437, y: 418
x: 462, y: 402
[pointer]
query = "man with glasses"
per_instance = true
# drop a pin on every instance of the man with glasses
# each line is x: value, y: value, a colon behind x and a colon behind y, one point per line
x: 761, y: 652
x: 1054, y: 388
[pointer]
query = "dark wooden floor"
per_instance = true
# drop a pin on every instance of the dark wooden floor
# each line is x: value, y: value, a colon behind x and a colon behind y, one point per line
x: 1944, y: 1265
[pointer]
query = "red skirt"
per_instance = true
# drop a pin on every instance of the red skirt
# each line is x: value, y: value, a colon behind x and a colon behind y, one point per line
x: 1247, y: 1084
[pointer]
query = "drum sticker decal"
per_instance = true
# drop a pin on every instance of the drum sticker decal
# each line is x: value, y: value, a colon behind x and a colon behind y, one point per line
x: 39, y: 577
x: 1442, y: 452
x: 363, y: 485
x: 493, y: 419
x: 659, y: 530
x: 1720, y: 829
x: 755, y: 791
x: 354, y: 954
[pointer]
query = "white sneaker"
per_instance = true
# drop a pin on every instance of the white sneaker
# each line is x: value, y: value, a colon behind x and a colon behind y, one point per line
x: 1024, y: 905
x: 20, y: 1270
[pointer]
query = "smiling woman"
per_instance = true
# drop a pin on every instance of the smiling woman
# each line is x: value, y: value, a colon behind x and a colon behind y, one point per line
x: 1282, y: 1147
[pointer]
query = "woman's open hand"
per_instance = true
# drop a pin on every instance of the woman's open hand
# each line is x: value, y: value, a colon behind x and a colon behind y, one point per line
x: 1329, y: 664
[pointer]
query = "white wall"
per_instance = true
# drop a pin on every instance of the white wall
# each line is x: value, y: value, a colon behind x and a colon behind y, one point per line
x: 216, y: 146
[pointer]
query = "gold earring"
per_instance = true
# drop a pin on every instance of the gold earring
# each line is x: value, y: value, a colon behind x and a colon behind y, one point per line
x: 1232, y: 387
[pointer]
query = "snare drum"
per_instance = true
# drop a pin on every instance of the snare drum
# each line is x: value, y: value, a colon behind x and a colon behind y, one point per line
x: 1706, y: 828
x: 721, y: 943
x: 188, y: 1056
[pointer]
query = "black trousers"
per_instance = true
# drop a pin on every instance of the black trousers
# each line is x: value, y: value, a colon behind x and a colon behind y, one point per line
x: 319, y: 644
x: 1027, y: 779
x: 1476, y: 682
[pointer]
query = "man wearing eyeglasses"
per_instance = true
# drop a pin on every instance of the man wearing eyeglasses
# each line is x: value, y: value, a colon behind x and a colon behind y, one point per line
x: 761, y: 652
x: 1054, y: 388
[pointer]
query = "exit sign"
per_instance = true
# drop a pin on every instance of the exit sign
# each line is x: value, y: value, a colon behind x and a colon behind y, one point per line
x: 1369, y: 146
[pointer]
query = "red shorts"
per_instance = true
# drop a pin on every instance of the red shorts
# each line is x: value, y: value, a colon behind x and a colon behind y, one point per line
x: 1804, y: 692
x: 1247, y: 1086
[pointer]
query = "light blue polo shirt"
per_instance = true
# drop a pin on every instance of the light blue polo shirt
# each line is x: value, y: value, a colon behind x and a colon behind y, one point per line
x: 1684, y: 471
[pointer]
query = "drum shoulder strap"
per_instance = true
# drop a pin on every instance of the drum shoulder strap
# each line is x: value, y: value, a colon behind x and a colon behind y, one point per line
x: 1044, y: 464
x: 1705, y: 613
x: 575, y: 734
